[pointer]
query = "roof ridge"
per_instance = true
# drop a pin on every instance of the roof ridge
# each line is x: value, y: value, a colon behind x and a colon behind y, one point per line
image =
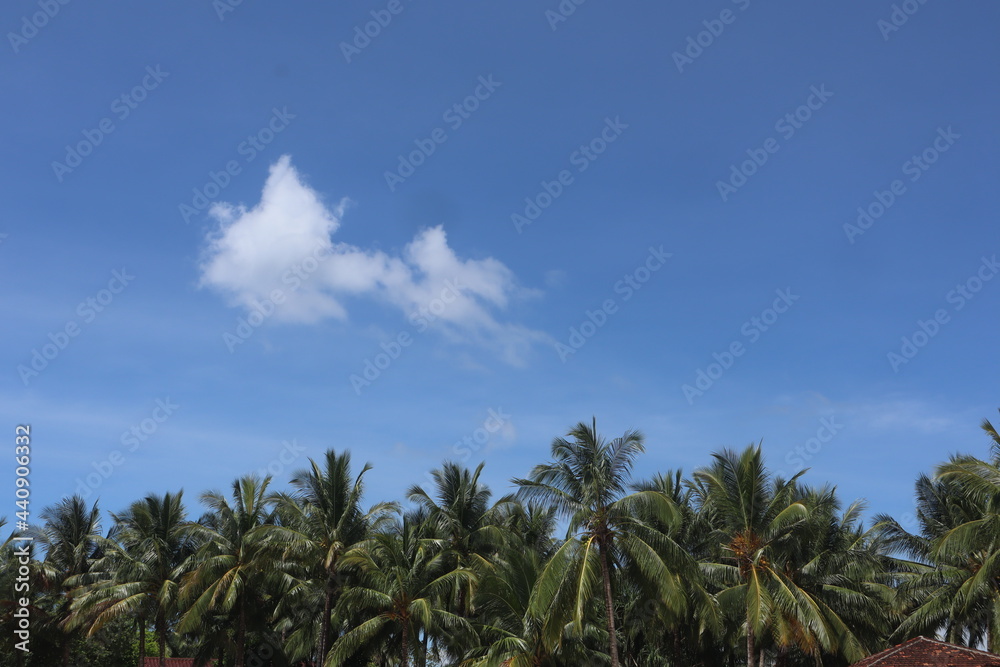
x: 892, y: 651
x: 967, y: 649
x: 916, y: 640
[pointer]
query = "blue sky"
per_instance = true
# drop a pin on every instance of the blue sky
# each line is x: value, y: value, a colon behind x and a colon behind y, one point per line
x: 534, y: 214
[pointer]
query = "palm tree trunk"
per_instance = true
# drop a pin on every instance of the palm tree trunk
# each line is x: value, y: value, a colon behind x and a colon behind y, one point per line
x: 608, y: 604
x: 751, y: 648
x: 324, y: 628
x: 161, y: 634
x: 241, y: 637
x: 65, y: 650
x: 406, y: 644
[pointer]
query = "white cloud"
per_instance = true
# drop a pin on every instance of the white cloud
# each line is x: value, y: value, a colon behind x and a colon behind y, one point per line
x: 284, y: 243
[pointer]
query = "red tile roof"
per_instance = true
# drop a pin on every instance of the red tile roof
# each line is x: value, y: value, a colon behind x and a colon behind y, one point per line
x: 923, y: 652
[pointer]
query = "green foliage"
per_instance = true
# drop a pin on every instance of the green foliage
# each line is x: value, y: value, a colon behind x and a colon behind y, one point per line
x: 115, y: 645
x: 729, y: 566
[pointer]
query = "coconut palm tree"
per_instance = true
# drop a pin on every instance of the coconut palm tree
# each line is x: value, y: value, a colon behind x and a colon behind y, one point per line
x: 9, y: 599
x: 236, y: 563
x: 960, y: 521
x: 404, y: 577
x: 69, y: 535
x: 787, y: 564
x: 510, y: 632
x: 459, y: 513
x: 587, y: 483
x: 843, y: 572
x: 927, y: 588
x: 532, y: 527
x: 321, y: 521
x: 146, y: 561
x: 752, y: 518
x: 688, y: 634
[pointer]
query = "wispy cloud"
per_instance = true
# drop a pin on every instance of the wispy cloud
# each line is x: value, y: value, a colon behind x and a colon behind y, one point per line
x: 911, y: 415
x: 284, y: 243
x: 898, y: 413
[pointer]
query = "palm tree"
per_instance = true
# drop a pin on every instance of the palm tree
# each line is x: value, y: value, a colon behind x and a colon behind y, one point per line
x: 236, y: 562
x: 928, y: 588
x: 69, y: 536
x: 842, y: 570
x: 320, y: 523
x: 761, y: 525
x: 9, y: 601
x: 510, y: 632
x: 403, y: 578
x: 687, y: 634
x: 751, y: 517
x: 960, y: 520
x: 532, y: 526
x: 586, y: 483
x: 460, y: 514
x: 146, y: 562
